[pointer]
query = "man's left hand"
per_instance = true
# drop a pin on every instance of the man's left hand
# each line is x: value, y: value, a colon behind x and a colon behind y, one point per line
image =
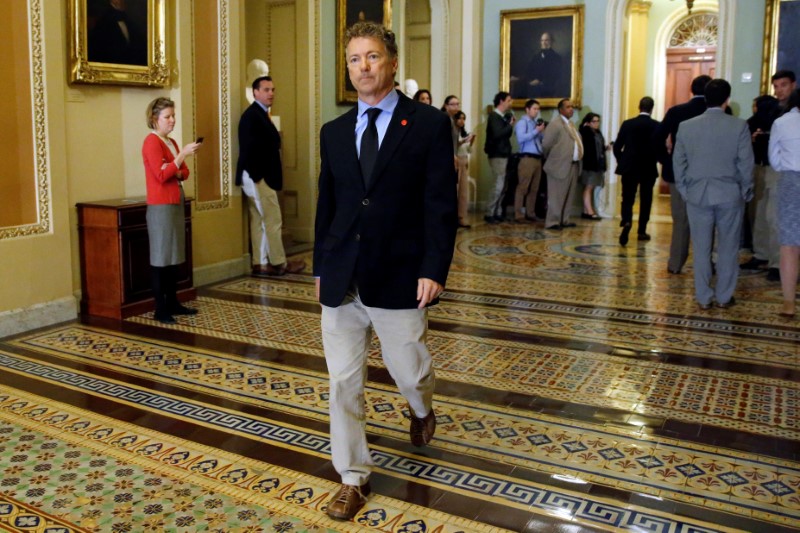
x: 427, y: 291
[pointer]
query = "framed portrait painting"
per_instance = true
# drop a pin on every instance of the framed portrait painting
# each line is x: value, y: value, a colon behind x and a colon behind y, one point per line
x: 348, y: 13
x: 119, y: 42
x: 781, y: 40
x: 541, y: 53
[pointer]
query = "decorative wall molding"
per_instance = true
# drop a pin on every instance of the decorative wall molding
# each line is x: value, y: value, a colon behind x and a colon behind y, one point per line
x: 225, y: 133
x: 41, y: 147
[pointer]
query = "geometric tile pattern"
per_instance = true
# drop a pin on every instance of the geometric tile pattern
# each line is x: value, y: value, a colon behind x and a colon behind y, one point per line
x: 585, y: 267
x: 684, y: 393
x: 583, y: 451
x: 173, y: 502
x: 73, y: 467
x: 640, y: 330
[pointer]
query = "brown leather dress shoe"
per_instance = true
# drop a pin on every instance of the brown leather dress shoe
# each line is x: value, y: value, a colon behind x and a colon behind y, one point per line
x: 293, y: 267
x: 729, y: 303
x: 260, y: 271
x: 346, y: 503
x: 422, y: 429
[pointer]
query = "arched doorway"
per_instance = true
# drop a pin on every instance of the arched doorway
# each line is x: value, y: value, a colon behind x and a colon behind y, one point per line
x: 614, y: 99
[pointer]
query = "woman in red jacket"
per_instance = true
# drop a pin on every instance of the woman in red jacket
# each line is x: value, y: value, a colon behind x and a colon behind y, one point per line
x: 165, y: 169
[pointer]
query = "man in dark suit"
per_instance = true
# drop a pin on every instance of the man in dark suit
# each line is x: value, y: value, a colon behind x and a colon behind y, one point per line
x: 259, y: 173
x: 543, y: 77
x: 663, y: 140
x: 636, y: 163
x: 384, y: 237
x: 115, y: 38
x: 713, y: 164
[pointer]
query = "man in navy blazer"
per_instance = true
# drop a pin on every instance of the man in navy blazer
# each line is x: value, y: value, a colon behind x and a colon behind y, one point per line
x: 664, y: 140
x: 384, y: 237
x: 636, y: 163
x: 260, y: 174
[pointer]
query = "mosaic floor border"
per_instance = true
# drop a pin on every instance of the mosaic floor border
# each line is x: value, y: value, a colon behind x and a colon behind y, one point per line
x: 654, y: 388
x: 210, y: 464
x: 664, y: 468
x: 650, y: 332
x: 289, y: 494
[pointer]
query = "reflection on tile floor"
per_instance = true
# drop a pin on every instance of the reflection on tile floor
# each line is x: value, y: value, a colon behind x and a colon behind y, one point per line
x: 579, y: 389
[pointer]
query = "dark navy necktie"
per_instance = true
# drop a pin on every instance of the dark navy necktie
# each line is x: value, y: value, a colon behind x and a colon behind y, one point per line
x: 369, y: 145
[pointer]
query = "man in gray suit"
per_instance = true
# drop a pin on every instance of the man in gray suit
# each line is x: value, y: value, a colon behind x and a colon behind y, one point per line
x: 563, y: 152
x: 713, y: 164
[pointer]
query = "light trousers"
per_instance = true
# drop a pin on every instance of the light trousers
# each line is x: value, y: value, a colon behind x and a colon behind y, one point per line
x: 561, y: 193
x: 529, y: 173
x: 463, y: 188
x: 265, y: 222
x: 346, y: 336
x: 495, y: 207
x: 679, y: 245
x: 765, y: 226
x: 727, y: 220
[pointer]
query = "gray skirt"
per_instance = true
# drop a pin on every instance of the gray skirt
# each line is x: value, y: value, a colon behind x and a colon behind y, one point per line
x: 593, y: 177
x: 166, y: 228
x: 789, y: 208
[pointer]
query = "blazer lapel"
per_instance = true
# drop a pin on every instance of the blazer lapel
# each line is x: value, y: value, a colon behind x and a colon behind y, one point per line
x: 402, y: 119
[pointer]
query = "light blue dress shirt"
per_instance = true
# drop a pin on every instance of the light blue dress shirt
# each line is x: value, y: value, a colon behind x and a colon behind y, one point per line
x: 387, y: 106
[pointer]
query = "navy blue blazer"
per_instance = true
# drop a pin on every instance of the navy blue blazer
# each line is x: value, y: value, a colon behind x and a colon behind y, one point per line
x: 259, y: 148
x: 634, y: 149
x: 403, y: 227
x: 669, y: 127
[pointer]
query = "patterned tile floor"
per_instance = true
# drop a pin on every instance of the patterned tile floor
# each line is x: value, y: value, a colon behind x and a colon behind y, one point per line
x: 578, y: 389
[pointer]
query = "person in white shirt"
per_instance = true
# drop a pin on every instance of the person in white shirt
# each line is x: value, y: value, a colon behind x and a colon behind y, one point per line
x: 784, y: 156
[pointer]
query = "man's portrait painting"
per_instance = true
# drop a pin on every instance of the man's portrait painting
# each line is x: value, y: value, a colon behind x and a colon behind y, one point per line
x: 118, y: 42
x: 781, y: 40
x: 348, y: 13
x: 541, y: 54
x: 117, y: 31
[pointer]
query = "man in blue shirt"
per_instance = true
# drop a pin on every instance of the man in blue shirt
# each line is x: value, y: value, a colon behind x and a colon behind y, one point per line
x: 529, y: 172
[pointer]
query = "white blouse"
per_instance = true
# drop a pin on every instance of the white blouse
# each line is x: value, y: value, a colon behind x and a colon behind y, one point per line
x: 784, y: 142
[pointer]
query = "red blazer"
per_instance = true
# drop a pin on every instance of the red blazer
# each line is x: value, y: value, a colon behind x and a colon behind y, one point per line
x: 162, y: 183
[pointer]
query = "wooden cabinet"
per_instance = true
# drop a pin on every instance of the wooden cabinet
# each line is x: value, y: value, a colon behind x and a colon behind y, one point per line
x: 115, y: 258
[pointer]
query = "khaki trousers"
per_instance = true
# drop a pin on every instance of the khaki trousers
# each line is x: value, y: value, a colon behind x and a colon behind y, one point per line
x: 265, y: 222
x: 529, y: 173
x: 346, y: 336
x: 561, y: 197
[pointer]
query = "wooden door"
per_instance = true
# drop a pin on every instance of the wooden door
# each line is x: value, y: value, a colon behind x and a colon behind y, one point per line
x: 684, y: 65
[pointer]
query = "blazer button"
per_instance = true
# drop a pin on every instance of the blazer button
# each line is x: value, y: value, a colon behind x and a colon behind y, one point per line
x: 365, y: 201
x: 358, y: 236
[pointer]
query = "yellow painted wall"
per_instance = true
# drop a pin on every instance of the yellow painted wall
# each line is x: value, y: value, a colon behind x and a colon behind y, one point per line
x: 38, y: 269
x: 95, y: 136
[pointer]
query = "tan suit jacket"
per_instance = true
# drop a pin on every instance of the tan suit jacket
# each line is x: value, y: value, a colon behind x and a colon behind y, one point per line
x: 558, y: 146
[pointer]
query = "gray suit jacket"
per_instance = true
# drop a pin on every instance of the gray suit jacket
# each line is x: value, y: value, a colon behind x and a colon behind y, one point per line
x: 713, y: 159
x: 558, y: 146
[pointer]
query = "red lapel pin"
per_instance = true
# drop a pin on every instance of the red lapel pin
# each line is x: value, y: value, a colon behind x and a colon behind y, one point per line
x: 403, y: 122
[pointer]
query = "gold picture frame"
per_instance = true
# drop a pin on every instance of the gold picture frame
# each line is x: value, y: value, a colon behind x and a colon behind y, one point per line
x: 348, y: 12
x: 781, y: 41
x: 527, y: 69
x: 109, y: 46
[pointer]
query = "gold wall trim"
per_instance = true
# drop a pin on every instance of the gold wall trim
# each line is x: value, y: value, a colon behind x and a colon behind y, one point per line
x: 223, y: 15
x: 41, y: 146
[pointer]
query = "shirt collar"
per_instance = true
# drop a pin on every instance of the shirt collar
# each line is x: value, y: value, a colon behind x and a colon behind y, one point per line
x: 262, y: 106
x: 388, y: 103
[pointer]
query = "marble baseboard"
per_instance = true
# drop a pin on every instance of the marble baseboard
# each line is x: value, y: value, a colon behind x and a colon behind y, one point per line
x: 37, y: 316
x: 222, y: 270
